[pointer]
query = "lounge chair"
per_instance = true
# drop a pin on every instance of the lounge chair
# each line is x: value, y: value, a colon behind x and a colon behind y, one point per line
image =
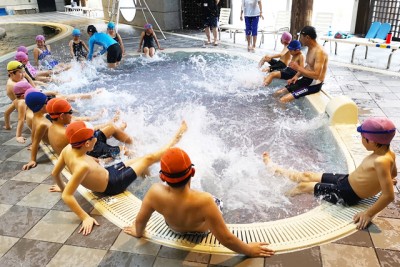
x: 323, y: 22
x: 282, y: 23
x: 223, y: 24
x: 377, y: 40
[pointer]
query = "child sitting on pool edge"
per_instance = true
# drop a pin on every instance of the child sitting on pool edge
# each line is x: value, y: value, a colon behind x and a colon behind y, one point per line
x: 147, y: 38
x: 375, y: 174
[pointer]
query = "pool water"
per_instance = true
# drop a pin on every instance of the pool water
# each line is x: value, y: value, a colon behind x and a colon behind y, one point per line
x: 23, y: 34
x: 232, y: 120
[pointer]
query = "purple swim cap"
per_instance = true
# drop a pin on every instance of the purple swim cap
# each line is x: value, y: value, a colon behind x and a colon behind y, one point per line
x: 378, y: 130
x: 148, y: 26
x: 286, y: 37
x: 21, y: 56
x: 40, y: 38
x: 22, y: 49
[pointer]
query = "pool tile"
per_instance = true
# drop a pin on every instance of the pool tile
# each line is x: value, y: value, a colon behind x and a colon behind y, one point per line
x: 28, y: 252
x: 334, y: 255
x: 26, y: 217
x: 19, y: 190
x: 164, y: 262
x: 9, y: 169
x: 25, y: 156
x: 173, y: 253
x: 359, y: 238
x: 85, y: 205
x: 20, y: 146
x: 388, y: 258
x: 101, y: 237
x: 56, y: 226
x: 309, y: 257
x: 8, y: 151
x: 40, y: 197
x: 6, y: 243
x: 392, y: 210
x: 385, y: 233
x: 2, y: 182
x: 119, y: 258
x: 389, y: 103
x: 131, y: 244
x: 77, y: 256
x: 4, y: 208
x: 370, y: 112
x: 36, y: 175
x: 232, y: 260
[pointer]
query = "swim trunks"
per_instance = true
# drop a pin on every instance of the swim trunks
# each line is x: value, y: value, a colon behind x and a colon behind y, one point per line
x: 102, y: 149
x: 114, y: 53
x: 211, y: 22
x: 119, y: 178
x: 335, y: 188
x: 220, y: 206
x: 276, y: 65
x: 304, y: 86
x: 288, y: 73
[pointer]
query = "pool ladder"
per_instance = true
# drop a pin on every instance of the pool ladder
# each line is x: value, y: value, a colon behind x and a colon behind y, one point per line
x: 114, y: 8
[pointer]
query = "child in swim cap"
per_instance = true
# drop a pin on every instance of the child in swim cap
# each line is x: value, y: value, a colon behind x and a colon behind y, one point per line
x: 284, y: 56
x: 77, y: 46
x: 115, y: 35
x: 148, y: 38
x: 288, y: 73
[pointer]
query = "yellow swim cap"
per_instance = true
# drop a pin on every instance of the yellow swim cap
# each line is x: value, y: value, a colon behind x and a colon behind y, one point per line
x: 13, y: 65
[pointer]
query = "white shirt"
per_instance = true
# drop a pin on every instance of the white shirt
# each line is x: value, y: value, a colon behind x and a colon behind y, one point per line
x: 250, y: 8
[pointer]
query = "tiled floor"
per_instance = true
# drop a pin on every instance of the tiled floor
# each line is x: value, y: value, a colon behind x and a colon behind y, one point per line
x: 37, y: 229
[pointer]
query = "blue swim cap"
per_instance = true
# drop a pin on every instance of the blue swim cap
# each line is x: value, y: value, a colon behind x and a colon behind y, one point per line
x: 35, y: 100
x: 294, y: 45
x: 111, y: 25
x: 76, y: 32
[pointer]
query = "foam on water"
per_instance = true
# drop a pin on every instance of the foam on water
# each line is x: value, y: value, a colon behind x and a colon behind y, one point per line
x: 231, y: 121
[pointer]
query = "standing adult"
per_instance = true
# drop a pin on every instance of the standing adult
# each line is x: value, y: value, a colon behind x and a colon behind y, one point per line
x: 308, y: 79
x: 113, y: 49
x: 211, y: 14
x: 252, y: 10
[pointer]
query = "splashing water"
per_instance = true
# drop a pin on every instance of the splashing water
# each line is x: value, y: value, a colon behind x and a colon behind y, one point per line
x: 231, y: 120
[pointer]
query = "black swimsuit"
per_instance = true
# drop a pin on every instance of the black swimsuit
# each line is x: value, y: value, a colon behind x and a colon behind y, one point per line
x: 148, y: 41
x: 78, y: 50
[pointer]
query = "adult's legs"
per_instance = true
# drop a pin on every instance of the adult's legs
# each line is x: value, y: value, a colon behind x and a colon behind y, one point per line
x: 208, y: 34
x: 215, y: 35
x: 140, y: 165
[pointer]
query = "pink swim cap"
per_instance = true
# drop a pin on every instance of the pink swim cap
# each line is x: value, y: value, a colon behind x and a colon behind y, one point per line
x: 22, y: 49
x: 148, y: 26
x: 286, y: 37
x: 31, y: 90
x: 40, y: 38
x: 21, y: 56
x: 21, y: 87
x: 378, y: 130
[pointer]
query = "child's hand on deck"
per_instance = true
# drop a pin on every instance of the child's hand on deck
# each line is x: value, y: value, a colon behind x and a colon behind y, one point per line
x: 363, y: 219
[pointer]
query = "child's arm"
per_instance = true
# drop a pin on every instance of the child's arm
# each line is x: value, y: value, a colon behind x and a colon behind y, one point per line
x: 37, y: 136
x: 383, y: 168
x: 141, y: 42
x: 21, y: 109
x: 71, y: 49
x: 300, y: 60
x: 69, y: 199
x: 121, y: 43
x: 156, y: 40
x: 56, y: 173
x: 36, y: 56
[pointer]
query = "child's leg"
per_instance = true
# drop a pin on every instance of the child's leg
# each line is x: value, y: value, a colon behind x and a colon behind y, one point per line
x: 273, y: 75
x: 146, y: 51
x: 74, y: 97
x: 117, y: 132
x: 296, y: 176
x: 287, y: 98
x: 301, y: 188
x: 7, y: 114
x: 140, y: 165
x: 152, y: 51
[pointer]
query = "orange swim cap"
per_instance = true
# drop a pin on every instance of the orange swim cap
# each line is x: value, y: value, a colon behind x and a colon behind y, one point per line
x: 175, y: 166
x: 56, y: 106
x: 78, y: 133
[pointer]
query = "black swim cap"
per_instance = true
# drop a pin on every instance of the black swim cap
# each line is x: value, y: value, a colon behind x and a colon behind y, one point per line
x: 310, y: 31
x: 91, y: 29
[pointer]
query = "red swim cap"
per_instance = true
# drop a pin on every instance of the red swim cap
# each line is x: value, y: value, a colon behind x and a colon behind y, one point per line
x: 78, y: 133
x: 175, y: 166
x: 56, y: 106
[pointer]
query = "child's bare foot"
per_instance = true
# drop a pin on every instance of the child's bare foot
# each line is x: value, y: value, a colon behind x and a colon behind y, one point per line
x: 123, y: 126
x: 293, y: 192
x: 117, y: 115
x: 266, y: 158
x: 21, y: 139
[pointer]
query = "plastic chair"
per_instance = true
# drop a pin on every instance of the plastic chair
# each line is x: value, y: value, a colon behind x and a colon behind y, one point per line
x: 384, y: 29
x: 373, y: 30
